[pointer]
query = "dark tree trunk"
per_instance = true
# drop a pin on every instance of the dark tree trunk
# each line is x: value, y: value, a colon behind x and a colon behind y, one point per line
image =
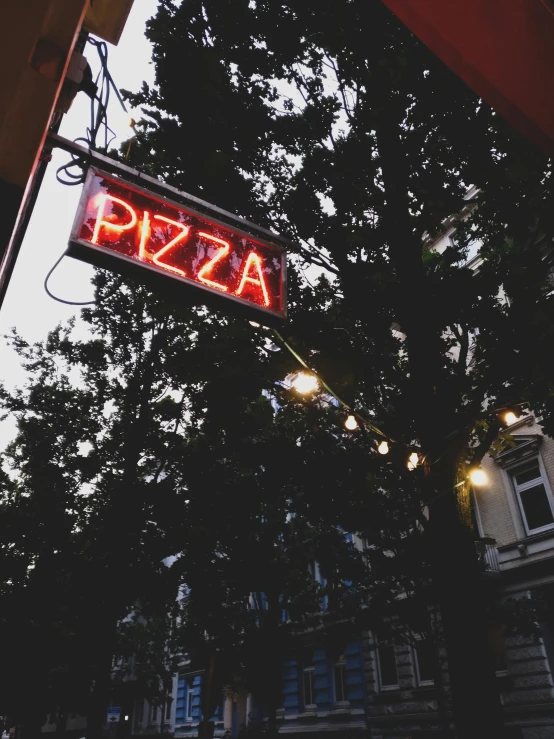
x: 452, y: 555
x: 99, y: 697
x: 61, y: 724
x: 30, y: 728
x: 206, y: 729
x: 459, y: 591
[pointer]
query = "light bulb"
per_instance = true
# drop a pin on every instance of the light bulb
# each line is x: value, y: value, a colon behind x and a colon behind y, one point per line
x: 510, y: 418
x: 351, y: 424
x: 304, y: 383
x: 254, y: 324
x: 413, y: 460
x: 478, y: 476
x: 383, y: 447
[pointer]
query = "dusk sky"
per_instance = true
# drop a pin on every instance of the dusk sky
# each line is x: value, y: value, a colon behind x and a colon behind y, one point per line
x: 27, y: 306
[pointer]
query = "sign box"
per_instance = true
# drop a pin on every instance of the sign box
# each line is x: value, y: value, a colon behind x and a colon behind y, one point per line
x: 119, y: 224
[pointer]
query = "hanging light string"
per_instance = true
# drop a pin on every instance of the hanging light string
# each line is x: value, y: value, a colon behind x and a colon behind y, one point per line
x: 331, y: 392
x: 415, y: 459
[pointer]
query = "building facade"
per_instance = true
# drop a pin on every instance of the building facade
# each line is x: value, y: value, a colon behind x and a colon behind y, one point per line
x: 385, y: 690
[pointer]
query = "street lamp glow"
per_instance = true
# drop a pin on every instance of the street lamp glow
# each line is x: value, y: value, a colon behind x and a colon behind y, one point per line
x: 510, y: 418
x: 413, y: 460
x: 383, y: 447
x: 478, y: 476
x: 304, y: 383
x: 351, y: 424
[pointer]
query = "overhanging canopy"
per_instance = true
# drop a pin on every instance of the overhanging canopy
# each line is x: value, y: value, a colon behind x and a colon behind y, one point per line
x: 503, y: 49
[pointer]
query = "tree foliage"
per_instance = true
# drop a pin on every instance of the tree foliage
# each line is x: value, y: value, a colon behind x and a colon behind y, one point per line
x: 332, y: 124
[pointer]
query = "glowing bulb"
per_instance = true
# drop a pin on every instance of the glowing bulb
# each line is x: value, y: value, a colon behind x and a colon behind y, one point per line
x: 510, y: 418
x: 351, y: 424
x: 383, y: 447
x: 254, y: 324
x: 413, y: 460
x: 304, y: 383
x: 478, y: 476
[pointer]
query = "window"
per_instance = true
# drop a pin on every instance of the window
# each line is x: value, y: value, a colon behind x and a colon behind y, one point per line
x: 190, y: 697
x: 185, y: 699
x: 498, y: 647
x: 153, y: 714
x: 308, y: 685
x: 386, y: 659
x: 424, y: 658
x: 339, y: 679
x: 168, y: 708
x: 533, y: 495
x: 139, y: 713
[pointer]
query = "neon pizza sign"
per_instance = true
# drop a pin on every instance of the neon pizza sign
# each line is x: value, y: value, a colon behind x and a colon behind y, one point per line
x: 119, y: 224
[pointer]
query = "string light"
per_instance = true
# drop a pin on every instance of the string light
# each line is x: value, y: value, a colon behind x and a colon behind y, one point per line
x: 478, y: 476
x: 351, y: 424
x: 510, y: 418
x: 413, y: 460
x: 304, y: 383
x: 383, y: 447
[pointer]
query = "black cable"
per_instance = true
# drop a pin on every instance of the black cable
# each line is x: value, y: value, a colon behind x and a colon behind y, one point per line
x: 60, y: 300
x: 102, y: 49
x: 99, y: 101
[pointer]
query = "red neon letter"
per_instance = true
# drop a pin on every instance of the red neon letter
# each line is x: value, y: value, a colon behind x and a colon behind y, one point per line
x: 207, y: 268
x: 101, y: 223
x: 156, y: 258
x: 251, y: 259
x: 145, y: 232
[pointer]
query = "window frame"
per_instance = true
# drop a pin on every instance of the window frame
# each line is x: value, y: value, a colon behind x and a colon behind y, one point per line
x: 184, y: 710
x: 378, y: 646
x: 309, y: 670
x: 420, y: 683
x: 341, y: 665
x: 189, y: 698
x: 138, y: 715
x: 543, y: 479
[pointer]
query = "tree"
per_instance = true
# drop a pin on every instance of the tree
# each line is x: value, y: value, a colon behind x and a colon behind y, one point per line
x: 91, y: 490
x: 335, y: 126
x: 227, y: 472
x: 254, y: 537
x: 119, y: 437
x: 271, y: 488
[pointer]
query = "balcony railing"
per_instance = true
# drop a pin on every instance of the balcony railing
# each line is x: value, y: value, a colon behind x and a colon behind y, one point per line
x: 488, y: 554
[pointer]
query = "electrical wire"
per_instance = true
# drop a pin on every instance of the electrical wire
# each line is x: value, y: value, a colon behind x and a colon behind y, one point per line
x: 73, y: 172
x: 54, y: 297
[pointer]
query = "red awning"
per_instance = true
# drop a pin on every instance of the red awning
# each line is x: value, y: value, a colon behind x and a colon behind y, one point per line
x: 503, y: 49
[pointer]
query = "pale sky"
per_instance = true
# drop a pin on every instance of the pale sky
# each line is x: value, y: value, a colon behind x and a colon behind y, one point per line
x: 27, y: 306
